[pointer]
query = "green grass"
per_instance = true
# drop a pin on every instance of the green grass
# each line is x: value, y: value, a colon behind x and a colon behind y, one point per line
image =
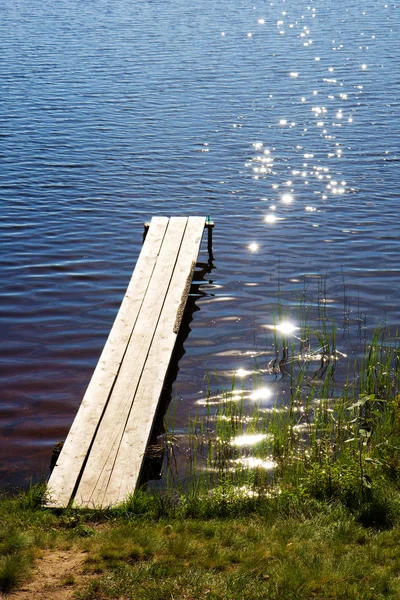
x: 16, y: 556
x: 327, y: 556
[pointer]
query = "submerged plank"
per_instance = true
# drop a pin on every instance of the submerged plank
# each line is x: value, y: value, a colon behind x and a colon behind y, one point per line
x: 74, y: 453
x: 97, y: 472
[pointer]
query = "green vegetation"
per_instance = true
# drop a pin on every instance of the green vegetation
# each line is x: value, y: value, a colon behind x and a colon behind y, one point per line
x: 294, y: 499
x: 297, y: 547
x: 328, y: 557
x: 18, y: 543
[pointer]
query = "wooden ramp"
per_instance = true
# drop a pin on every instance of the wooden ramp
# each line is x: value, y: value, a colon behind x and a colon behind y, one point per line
x: 101, y: 460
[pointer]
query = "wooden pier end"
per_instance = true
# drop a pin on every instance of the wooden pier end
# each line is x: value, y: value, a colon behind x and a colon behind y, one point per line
x: 101, y: 460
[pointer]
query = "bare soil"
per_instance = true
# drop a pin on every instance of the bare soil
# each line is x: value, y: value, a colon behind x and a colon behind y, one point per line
x: 55, y: 577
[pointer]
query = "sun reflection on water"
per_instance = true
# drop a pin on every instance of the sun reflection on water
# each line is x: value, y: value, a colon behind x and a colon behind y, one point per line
x: 287, y: 198
x: 252, y: 462
x: 271, y: 219
x: 286, y: 327
x: 242, y: 373
x: 261, y: 394
x: 250, y: 439
x: 320, y: 122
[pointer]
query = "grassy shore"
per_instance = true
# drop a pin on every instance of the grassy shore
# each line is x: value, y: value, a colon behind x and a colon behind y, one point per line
x: 294, y: 546
x: 307, y: 505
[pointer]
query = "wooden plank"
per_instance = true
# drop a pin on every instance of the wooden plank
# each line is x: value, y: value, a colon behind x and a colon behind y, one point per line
x: 100, y: 463
x: 127, y: 468
x: 64, y: 476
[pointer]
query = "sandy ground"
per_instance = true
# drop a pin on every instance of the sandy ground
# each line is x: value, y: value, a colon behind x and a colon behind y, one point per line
x: 50, y: 576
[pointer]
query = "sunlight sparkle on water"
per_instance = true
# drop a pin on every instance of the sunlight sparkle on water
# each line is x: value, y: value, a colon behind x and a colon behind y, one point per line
x: 252, y: 462
x: 270, y: 219
x: 287, y: 198
x: 242, y: 373
x: 261, y: 394
x: 248, y: 440
x: 286, y: 327
x: 253, y: 247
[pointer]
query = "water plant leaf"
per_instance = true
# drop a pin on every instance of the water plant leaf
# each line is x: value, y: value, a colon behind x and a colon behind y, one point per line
x: 357, y: 404
x: 371, y: 398
x: 373, y: 461
x: 363, y: 399
x: 367, y: 396
x: 365, y: 432
x: 376, y: 413
x: 367, y: 482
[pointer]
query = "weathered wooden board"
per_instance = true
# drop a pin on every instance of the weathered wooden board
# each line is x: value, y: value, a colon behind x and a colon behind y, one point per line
x: 101, y: 460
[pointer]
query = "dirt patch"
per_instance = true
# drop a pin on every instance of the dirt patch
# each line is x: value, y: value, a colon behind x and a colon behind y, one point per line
x: 55, y: 577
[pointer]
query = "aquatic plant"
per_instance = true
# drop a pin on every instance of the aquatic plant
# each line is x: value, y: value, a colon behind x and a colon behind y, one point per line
x: 331, y: 432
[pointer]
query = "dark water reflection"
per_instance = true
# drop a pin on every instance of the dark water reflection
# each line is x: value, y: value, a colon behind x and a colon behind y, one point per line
x: 280, y: 120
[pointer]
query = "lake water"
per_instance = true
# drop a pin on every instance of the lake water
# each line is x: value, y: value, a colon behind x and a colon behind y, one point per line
x: 278, y: 119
